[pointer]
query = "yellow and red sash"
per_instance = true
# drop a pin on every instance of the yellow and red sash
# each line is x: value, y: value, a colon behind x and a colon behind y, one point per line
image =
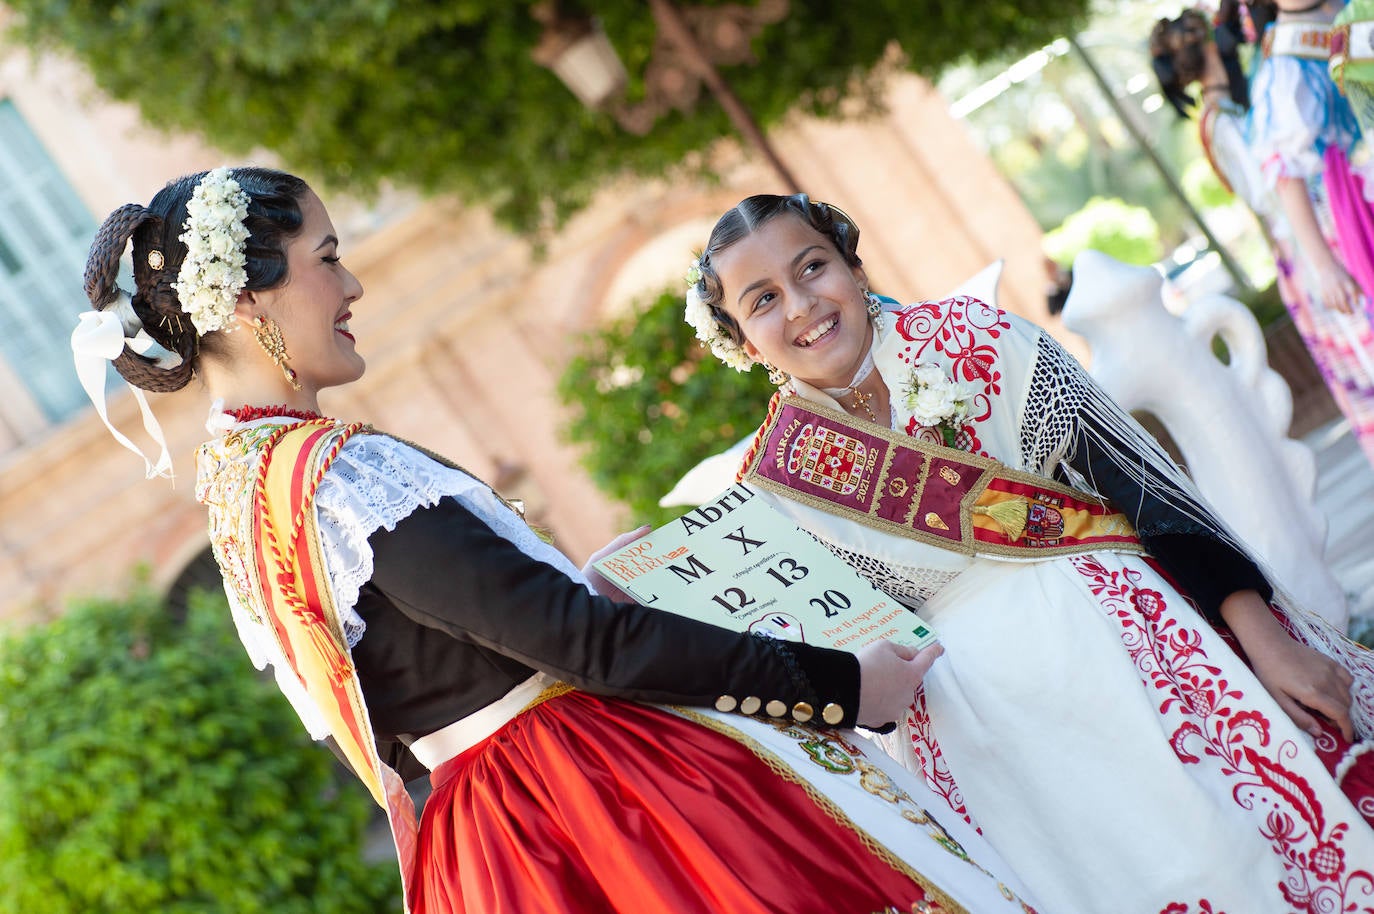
x: 937, y: 495
x: 299, y: 605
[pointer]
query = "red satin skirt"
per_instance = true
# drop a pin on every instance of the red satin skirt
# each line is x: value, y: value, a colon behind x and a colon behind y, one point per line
x: 586, y: 805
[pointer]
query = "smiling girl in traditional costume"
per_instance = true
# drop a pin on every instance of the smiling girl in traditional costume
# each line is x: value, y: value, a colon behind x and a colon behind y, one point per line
x: 1110, y: 744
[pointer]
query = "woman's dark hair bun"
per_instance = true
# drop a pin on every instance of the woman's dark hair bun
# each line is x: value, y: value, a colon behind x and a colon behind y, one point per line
x: 274, y: 218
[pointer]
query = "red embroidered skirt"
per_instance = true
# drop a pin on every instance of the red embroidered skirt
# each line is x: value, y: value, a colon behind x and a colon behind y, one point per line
x: 585, y: 804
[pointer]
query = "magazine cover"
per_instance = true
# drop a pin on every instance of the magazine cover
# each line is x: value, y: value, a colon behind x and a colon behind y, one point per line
x: 737, y: 563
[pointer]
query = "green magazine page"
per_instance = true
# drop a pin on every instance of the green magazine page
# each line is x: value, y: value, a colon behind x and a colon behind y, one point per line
x: 738, y: 563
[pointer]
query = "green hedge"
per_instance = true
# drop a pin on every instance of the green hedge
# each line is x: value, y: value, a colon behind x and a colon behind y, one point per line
x: 145, y: 766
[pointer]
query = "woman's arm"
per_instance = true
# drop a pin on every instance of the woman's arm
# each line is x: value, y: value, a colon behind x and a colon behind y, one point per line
x: 446, y: 569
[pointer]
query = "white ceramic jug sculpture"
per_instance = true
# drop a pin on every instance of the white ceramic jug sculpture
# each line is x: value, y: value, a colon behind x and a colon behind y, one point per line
x: 1229, y: 422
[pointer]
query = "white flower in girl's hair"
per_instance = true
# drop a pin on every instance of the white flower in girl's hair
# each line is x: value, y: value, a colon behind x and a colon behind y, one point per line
x: 708, y: 329
x: 936, y: 401
x: 213, y: 274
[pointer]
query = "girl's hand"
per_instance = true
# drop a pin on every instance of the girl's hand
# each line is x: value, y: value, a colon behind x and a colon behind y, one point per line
x: 1336, y: 288
x: 599, y: 582
x: 1299, y: 678
x: 889, y: 675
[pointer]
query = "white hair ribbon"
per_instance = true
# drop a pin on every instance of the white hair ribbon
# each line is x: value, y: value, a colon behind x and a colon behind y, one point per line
x: 219, y: 422
x: 97, y: 340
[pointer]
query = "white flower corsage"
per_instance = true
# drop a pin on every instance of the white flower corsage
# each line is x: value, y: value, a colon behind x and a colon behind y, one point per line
x: 937, y: 402
x: 213, y: 274
x: 708, y: 329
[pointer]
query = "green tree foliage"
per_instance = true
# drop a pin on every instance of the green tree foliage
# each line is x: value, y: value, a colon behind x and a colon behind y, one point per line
x: 145, y: 767
x: 648, y: 402
x: 1060, y: 142
x: 444, y: 97
x: 1112, y: 226
x: 1202, y: 186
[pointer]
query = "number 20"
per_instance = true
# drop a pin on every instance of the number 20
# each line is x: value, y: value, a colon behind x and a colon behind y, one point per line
x: 830, y: 602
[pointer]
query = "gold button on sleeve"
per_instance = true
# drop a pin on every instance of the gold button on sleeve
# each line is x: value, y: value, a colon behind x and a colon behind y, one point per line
x: 832, y: 714
x: 776, y: 708
x: 726, y: 703
x: 750, y: 705
x: 802, y: 712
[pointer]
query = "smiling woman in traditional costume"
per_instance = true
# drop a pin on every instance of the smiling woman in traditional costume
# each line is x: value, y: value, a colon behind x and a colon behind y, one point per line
x: 1087, y: 716
x: 1189, y: 50
x: 411, y: 614
x: 1315, y: 169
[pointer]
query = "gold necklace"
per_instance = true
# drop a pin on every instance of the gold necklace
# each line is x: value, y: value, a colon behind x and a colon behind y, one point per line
x: 861, y: 402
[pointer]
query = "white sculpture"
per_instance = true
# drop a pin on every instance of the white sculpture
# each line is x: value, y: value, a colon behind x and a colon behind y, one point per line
x: 1229, y: 422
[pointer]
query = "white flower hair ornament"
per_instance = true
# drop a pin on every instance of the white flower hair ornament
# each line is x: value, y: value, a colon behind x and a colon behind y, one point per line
x: 213, y: 273
x: 708, y: 329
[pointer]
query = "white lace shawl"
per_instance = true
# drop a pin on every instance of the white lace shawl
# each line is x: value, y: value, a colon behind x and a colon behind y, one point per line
x: 374, y: 483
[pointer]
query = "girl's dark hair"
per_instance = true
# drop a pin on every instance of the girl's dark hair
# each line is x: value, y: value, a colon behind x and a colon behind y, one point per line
x: 1176, y: 49
x: 751, y: 214
x: 274, y: 218
x: 1176, y: 54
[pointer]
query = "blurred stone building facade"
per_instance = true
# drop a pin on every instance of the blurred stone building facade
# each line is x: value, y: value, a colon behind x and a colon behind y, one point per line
x: 464, y: 330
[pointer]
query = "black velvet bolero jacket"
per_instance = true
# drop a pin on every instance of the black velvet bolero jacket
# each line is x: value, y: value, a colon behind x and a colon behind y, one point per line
x: 457, y: 615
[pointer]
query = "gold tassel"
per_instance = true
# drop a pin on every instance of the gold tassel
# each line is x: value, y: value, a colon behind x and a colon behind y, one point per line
x: 1009, y: 515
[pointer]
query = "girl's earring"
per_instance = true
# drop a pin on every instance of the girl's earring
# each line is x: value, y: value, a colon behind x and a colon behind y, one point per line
x: 776, y: 376
x: 268, y: 334
x: 874, y: 303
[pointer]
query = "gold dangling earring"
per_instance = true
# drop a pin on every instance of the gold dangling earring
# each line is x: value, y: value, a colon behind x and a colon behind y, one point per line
x: 268, y: 334
x: 776, y: 376
x: 874, y: 305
